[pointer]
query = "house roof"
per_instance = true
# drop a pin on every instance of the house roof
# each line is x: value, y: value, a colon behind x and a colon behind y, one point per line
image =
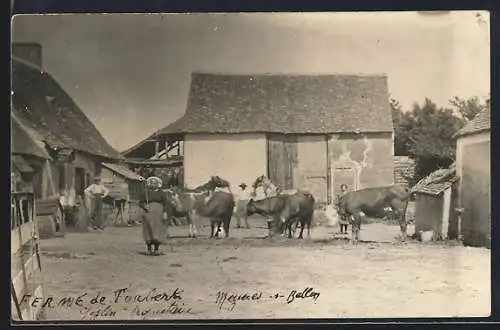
x: 22, y: 143
x: 21, y: 164
x: 481, y: 122
x: 436, y: 182
x: 123, y: 171
x: 42, y: 105
x: 279, y: 103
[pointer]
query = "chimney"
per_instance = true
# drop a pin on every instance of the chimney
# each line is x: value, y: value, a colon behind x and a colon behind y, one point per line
x: 28, y: 51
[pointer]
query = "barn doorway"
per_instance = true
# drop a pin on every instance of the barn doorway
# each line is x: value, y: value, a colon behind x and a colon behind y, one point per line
x: 79, y: 181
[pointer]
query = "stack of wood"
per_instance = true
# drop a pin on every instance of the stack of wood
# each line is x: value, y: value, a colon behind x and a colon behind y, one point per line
x: 404, y: 169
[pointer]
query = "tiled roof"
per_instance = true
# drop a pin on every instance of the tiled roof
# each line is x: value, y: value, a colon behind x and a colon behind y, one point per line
x: 278, y: 103
x: 436, y: 182
x: 42, y: 105
x: 21, y: 164
x: 23, y: 144
x: 123, y: 171
x: 481, y: 122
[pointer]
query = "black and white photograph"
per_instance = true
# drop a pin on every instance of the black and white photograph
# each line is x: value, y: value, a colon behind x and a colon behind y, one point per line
x: 250, y: 166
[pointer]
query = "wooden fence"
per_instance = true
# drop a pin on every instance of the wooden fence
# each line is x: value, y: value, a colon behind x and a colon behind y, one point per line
x: 26, y: 276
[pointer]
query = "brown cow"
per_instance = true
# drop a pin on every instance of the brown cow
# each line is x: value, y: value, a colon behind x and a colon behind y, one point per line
x: 217, y: 206
x: 375, y: 202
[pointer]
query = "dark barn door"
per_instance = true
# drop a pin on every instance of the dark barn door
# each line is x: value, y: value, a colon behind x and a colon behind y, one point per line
x: 282, y: 159
x: 79, y: 181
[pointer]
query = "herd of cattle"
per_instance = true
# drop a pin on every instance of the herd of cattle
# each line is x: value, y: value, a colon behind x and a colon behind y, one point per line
x: 284, y: 210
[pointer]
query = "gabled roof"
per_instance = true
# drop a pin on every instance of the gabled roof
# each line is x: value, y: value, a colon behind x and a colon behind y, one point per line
x: 41, y: 104
x: 481, y: 122
x: 279, y: 103
x: 22, y: 143
x: 436, y: 182
x: 123, y: 171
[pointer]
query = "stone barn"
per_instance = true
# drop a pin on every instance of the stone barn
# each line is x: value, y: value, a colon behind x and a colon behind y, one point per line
x: 303, y: 131
x: 473, y: 168
x: 49, y: 116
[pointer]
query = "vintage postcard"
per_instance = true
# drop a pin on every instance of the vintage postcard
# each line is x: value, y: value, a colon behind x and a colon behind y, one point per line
x: 250, y: 166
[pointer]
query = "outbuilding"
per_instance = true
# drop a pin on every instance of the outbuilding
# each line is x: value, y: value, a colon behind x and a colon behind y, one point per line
x: 435, y: 203
x: 473, y: 168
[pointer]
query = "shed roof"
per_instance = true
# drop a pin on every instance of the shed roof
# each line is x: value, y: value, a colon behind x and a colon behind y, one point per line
x: 436, y: 182
x: 282, y: 103
x: 481, y: 122
x: 123, y: 171
x: 41, y: 104
x: 22, y: 143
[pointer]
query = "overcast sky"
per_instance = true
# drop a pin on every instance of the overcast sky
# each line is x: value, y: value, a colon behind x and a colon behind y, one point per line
x: 130, y: 73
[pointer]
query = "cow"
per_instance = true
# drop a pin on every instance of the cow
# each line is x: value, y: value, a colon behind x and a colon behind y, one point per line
x: 299, y: 208
x: 269, y: 207
x: 217, y: 206
x: 284, y: 211
x: 376, y: 202
x: 206, y: 189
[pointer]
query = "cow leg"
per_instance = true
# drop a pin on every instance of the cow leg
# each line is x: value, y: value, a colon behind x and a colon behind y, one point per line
x: 212, y: 227
x: 302, y: 225
x: 355, y: 227
x: 399, y: 210
x: 226, y: 223
x: 246, y: 220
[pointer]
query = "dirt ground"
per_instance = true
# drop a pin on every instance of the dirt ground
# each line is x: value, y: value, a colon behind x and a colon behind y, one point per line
x: 377, y: 278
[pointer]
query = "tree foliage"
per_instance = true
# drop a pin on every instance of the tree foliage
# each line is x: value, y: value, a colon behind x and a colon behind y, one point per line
x: 426, y: 135
x: 426, y: 132
x: 469, y: 108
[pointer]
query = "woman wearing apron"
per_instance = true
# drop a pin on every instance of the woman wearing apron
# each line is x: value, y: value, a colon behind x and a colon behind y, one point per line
x: 154, y: 219
x: 344, y: 220
x: 96, y: 192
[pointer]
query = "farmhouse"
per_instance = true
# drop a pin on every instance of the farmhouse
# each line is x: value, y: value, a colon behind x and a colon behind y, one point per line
x: 42, y: 112
x: 303, y: 131
x: 473, y: 168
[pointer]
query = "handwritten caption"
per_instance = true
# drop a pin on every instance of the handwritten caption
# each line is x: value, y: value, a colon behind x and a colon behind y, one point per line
x: 98, y: 305
x: 228, y: 300
x: 155, y: 303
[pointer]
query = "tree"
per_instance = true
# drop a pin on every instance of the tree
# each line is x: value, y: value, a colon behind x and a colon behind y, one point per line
x: 469, y: 108
x: 402, y: 122
x: 426, y: 135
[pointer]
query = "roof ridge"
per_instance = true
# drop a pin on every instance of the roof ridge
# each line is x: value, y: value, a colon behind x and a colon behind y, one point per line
x: 287, y: 74
x: 27, y: 63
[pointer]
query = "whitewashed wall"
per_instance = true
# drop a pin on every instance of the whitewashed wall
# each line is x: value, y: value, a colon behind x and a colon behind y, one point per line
x: 235, y: 157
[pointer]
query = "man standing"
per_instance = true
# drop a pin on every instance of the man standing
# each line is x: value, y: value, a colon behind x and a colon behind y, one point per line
x: 242, y: 198
x: 96, y: 192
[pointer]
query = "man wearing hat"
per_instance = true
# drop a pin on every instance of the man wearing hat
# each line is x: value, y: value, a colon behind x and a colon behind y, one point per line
x: 242, y: 198
x: 96, y: 192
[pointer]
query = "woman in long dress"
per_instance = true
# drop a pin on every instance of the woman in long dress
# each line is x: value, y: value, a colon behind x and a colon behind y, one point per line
x: 154, y: 219
x: 343, y: 218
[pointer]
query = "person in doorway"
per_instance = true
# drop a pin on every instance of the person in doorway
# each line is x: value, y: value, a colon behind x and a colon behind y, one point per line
x: 242, y: 198
x: 343, y: 218
x: 154, y: 204
x: 96, y: 192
